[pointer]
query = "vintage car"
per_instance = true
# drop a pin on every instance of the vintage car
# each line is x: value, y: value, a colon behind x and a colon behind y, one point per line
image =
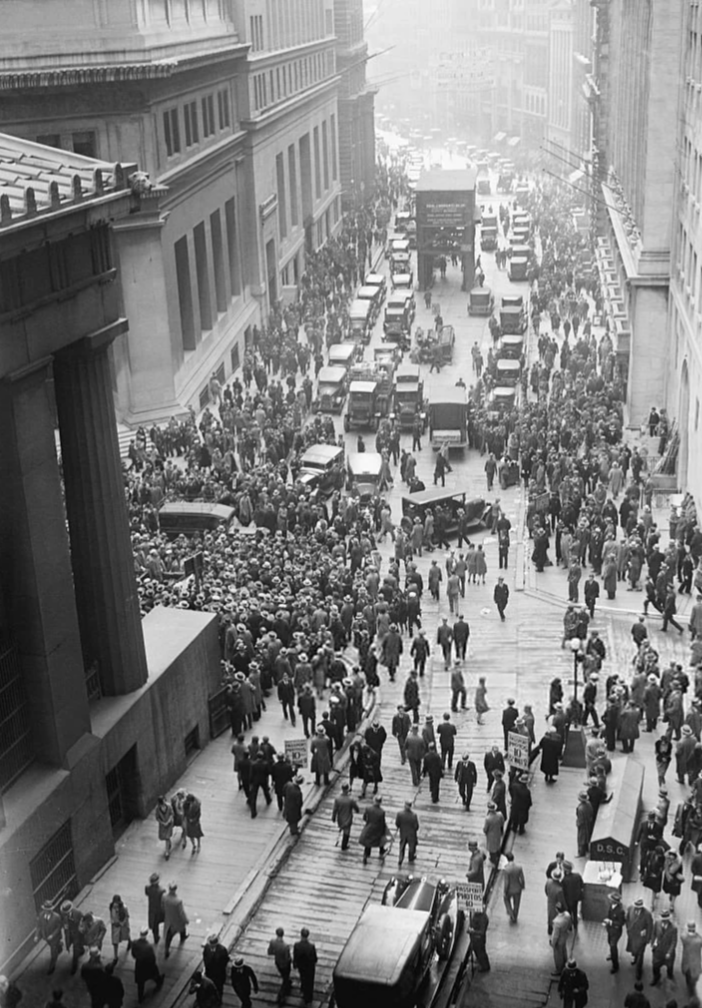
x: 508, y: 371
x: 362, y: 315
x: 392, y: 948
x: 188, y: 517
x: 396, y: 325
x: 331, y: 389
x: 400, y: 262
x: 476, y: 510
x: 403, y: 299
x: 402, y: 281
x: 483, y: 188
x: 481, y: 301
x: 511, y: 344
x: 363, y: 473
x: 376, y: 280
x: 343, y: 354
x: 518, y: 268
x: 502, y: 397
x: 488, y: 238
x: 372, y: 294
x: 513, y: 320
x: 321, y: 468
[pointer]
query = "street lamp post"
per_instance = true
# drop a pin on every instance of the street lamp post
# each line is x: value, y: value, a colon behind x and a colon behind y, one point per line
x: 576, y: 648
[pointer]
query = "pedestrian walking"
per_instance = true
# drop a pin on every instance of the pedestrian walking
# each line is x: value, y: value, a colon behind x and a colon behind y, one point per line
x: 165, y: 820
x: 663, y: 947
x: 498, y: 792
x: 243, y: 981
x: 71, y: 919
x: 466, y: 777
x: 374, y: 833
x: 550, y: 747
x: 281, y: 773
x: 11, y: 995
x: 93, y: 930
x: 639, y: 931
x: 342, y: 814
x: 411, y: 695
x: 493, y: 828
x: 205, y: 992
x: 494, y: 760
x: 292, y: 804
x: 458, y: 687
x: 94, y: 977
x: 461, y: 635
x: 447, y: 738
x: 521, y: 802
x: 573, y: 986
x: 476, y: 863
x: 305, y: 961
x: 513, y: 885
x: 260, y: 774
x: 416, y: 751
x: 154, y: 893
x: 177, y: 803
x: 444, y: 638
x: 509, y: 718
x: 215, y: 959
x: 119, y: 926
x: 145, y: 965
x: 561, y: 928
x: 585, y: 821
x: 407, y: 824
x: 192, y: 810
x: 419, y: 651
x: 480, y: 701
x: 432, y: 769
x: 573, y: 891
x: 175, y: 919
x: 280, y: 950
x: 400, y: 727
x: 691, y: 964
x: 48, y: 929
x: 501, y: 594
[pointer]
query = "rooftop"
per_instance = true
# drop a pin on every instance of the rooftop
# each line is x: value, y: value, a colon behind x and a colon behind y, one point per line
x: 35, y: 179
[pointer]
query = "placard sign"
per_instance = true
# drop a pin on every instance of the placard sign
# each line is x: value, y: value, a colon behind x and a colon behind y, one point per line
x: 296, y: 751
x: 518, y: 750
x: 470, y: 896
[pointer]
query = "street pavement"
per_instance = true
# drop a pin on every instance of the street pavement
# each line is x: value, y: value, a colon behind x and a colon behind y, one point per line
x: 250, y: 866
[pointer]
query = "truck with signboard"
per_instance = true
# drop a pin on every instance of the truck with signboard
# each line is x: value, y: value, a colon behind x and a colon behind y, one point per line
x: 448, y: 419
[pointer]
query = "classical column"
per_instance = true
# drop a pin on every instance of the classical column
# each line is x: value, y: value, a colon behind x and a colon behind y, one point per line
x: 103, y: 567
x: 35, y: 569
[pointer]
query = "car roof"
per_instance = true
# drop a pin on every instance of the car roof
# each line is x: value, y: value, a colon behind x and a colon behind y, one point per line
x: 450, y: 395
x: 381, y: 944
x: 506, y: 363
x: 361, y: 463
x: 362, y: 386
x: 406, y: 371
x: 321, y: 453
x: 359, y: 305
x: 374, y: 280
x: 433, y: 496
x: 221, y: 511
x: 332, y: 374
x: 481, y: 290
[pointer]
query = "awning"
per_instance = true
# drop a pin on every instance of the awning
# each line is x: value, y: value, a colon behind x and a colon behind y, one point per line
x: 513, y: 141
x: 499, y: 137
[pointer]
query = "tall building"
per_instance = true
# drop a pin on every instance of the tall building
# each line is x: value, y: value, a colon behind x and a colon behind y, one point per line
x: 683, y: 364
x: 635, y: 77
x: 356, y: 104
x: 290, y: 117
x: 98, y: 708
x: 231, y: 108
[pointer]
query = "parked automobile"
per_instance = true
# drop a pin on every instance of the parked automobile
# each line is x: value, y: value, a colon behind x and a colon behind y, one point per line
x: 331, y: 389
x: 343, y: 354
x: 321, y: 468
x: 508, y: 371
x: 188, y: 517
x: 476, y: 509
x: 363, y: 473
x: 481, y: 301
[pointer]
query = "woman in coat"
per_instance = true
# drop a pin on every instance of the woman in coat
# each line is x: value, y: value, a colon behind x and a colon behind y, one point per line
x: 177, y: 803
x: 672, y: 876
x: 165, y: 820
x: 321, y: 756
x: 193, y: 812
x: 119, y: 921
x: 370, y: 768
x: 609, y: 576
x: 375, y: 832
x: 481, y: 704
x: 550, y: 748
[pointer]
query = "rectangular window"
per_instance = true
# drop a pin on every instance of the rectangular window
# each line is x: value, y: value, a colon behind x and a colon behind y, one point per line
x: 233, y: 247
x: 203, y: 277
x: 192, y: 132
x: 85, y: 144
x: 292, y: 177
x: 223, y: 109
x: 208, y: 116
x: 53, y: 870
x: 185, y: 294
x: 171, y: 131
x: 325, y: 154
x: 333, y: 147
x: 280, y: 182
x: 49, y: 139
x: 15, y: 728
x: 218, y: 261
x: 317, y: 167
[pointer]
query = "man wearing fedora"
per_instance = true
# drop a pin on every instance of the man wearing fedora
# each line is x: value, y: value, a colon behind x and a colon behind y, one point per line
x: 639, y: 931
x: 614, y: 922
x: 215, y: 959
x: 48, y: 929
x: 665, y: 940
x: 154, y: 893
x: 243, y: 980
x: 175, y: 919
x: 145, y: 965
x: 71, y: 918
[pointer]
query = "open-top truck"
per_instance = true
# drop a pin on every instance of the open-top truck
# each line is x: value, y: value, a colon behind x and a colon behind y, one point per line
x: 370, y: 395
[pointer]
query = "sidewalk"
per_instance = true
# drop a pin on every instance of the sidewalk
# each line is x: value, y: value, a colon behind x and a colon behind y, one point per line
x: 234, y: 856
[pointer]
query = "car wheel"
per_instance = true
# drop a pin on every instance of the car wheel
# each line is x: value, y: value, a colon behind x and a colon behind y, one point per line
x: 444, y: 942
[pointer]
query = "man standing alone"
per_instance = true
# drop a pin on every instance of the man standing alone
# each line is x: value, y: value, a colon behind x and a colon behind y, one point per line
x: 304, y: 961
x: 407, y: 823
x: 513, y: 885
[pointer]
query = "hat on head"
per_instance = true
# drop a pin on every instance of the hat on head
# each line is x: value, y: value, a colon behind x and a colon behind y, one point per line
x: 571, y: 964
x: 172, y: 886
x: 66, y: 906
x: 94, y: 952
x: 377, y: 799
x: 691, y: 926
x: 639, y: 901
x: 686, y: 730
x: 665, y: 914
x: 491, y: 805
x: 615, y: 897
x: 47, y: 905
x: 472, y: 843
x: 154, y: 877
